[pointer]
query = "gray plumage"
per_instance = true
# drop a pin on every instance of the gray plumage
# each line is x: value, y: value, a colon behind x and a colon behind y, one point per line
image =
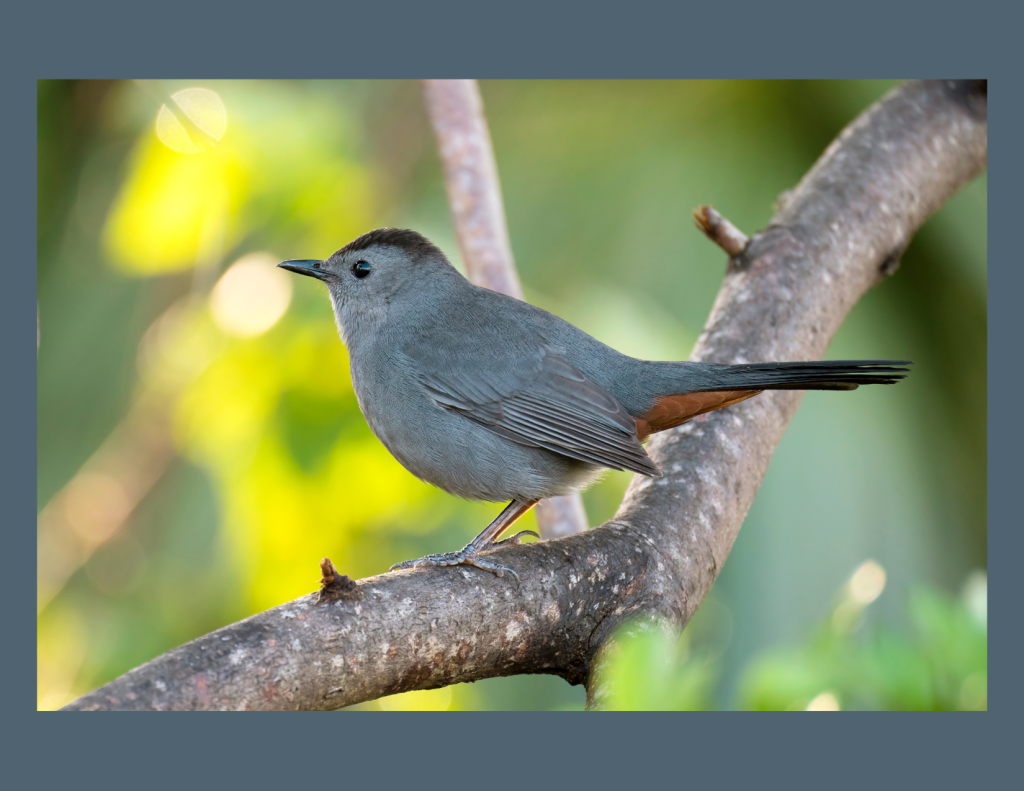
x: 477, y: 393
x: 491, y: 398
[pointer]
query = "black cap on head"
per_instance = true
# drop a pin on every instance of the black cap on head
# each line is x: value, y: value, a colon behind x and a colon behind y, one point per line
x: 410, y: 241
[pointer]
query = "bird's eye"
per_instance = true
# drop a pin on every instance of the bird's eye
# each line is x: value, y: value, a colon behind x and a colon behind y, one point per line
x: 361, y: 269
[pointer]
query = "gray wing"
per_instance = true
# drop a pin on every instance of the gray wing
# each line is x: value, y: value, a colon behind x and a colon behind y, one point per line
x: 547, y: 404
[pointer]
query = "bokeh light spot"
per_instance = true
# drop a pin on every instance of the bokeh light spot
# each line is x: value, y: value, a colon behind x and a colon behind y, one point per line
x: 251, y: 296
x: 96, y: 506
x: 826, y: 701
x: 976, y: 597
x: 196, y: 122
x: 867, y: 582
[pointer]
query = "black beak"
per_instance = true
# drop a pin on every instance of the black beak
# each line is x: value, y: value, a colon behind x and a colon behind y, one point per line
x: 304, y: 267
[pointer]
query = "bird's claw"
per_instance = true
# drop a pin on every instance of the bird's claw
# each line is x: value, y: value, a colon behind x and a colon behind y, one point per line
x: 446, y: 559
x: 463, y: 558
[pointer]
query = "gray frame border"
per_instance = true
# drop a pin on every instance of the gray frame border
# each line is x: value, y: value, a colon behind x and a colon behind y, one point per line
x: 524, y: 39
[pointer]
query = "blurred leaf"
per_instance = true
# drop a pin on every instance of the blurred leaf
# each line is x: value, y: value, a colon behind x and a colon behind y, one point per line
x: 640, y: 671
x: 782, y: 681
x: 941, y: 664
x: 898, y: 674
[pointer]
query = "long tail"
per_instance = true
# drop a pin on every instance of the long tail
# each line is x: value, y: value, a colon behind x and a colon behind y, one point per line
x: 823, y: 375
x: 690, y: 389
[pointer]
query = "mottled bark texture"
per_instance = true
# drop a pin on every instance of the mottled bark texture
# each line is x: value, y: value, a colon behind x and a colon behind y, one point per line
x: 839, y: 233
x: 478, y: 212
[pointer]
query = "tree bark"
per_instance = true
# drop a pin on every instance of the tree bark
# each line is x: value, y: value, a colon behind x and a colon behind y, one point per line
x: 839, y: 232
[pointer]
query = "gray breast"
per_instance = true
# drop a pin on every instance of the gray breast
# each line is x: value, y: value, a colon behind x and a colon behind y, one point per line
x: 452, y: 452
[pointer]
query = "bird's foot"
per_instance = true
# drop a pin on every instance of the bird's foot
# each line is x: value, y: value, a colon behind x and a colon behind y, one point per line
x: 468, y: 556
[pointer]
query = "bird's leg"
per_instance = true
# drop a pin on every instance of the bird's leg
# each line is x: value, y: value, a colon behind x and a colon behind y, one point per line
x: 469, y: 555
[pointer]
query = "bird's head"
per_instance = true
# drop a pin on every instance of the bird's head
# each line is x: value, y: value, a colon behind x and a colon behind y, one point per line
x: 380, y: 273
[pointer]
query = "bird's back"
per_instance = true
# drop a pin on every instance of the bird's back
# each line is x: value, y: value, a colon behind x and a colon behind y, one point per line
x: 632, y: 382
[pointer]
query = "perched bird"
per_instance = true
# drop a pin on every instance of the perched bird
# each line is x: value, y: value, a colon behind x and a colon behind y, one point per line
x: 491, y: 398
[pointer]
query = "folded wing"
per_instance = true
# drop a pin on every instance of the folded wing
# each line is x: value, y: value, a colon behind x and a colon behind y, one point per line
x: 546, y: 404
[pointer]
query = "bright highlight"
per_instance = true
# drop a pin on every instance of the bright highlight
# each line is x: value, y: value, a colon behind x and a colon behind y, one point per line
x: 196, y: 122
x: 826, y: 701
x: 867, y: 582
x: 251, y: 297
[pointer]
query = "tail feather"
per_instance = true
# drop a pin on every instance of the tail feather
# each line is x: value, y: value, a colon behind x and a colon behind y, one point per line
x: 822, y: 375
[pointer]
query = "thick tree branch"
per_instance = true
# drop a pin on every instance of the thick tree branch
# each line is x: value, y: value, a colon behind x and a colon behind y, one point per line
x: 474, y: 194
x: 783, y: 298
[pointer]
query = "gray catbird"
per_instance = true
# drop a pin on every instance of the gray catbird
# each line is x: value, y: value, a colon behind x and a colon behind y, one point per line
x: 493, y: 399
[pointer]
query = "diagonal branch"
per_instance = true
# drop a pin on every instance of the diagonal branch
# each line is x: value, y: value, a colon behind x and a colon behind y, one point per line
x: 471, y: 179
x: 474, y: 194
x: 783, y: 298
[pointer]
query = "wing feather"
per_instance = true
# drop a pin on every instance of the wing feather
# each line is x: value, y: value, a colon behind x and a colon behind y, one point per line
x: 549, y: 405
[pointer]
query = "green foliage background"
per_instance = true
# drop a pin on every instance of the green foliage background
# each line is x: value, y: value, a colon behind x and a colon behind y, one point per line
x: 272, y: 467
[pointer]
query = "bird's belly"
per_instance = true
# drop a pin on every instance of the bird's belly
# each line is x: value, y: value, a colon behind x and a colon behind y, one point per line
x: 466, y: 459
